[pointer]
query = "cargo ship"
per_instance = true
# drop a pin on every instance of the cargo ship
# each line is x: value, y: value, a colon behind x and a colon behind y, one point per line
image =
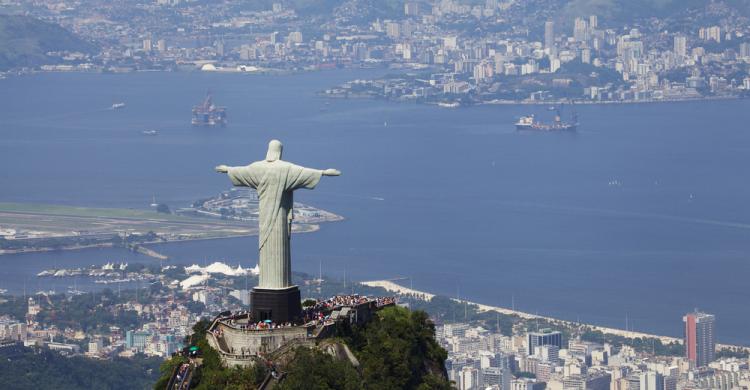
x: 208, y: 114
x: 531, y: 123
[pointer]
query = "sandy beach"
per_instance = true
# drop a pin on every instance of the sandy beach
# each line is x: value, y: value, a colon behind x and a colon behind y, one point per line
x: 401, y: 290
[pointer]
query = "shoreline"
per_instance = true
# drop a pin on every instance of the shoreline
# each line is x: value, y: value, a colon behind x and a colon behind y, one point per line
x: 285, y: 72
x: 539, y: 103
x: 401, y: 290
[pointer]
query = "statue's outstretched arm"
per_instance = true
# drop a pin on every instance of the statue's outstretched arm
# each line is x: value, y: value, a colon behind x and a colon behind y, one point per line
x: 331, y: 172
x: 222, y: 169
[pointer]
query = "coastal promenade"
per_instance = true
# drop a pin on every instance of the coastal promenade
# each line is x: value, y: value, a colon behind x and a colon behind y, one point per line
x: 401, y: 290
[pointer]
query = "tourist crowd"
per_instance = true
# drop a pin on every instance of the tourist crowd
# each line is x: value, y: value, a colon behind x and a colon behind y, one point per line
x: 318, y: 312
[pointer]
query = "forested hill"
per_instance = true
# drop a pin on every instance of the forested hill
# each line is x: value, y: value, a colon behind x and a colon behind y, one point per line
x: 25, y: 41
x: 26, y: 368
x: 396, y: 350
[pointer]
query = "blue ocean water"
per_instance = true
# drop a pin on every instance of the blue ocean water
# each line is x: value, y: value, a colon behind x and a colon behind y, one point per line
x: 642, y: 213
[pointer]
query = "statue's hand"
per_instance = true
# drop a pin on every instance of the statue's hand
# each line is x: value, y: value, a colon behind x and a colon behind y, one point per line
x: 331, y: 172
x: 222, y: 169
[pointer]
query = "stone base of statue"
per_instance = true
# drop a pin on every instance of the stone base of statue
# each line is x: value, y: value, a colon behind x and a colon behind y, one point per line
x: 278, y: 306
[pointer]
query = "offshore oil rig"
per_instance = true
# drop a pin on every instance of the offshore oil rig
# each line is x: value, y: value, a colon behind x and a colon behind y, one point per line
x: 208, y: 114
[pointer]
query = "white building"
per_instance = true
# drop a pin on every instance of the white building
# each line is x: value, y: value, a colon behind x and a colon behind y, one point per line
x: 11, y: 329
x: 468, y: 379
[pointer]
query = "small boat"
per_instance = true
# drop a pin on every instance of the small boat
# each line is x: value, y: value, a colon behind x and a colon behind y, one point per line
x: 117, y: 106
x: 449, y: 104
x: 150, y: 132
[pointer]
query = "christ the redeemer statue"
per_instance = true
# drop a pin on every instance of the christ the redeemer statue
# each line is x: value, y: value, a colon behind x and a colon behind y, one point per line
x: 275, y: 180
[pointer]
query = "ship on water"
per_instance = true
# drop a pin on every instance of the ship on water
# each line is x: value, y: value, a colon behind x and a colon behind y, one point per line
x: 531, y: 123
x: 208, y: 114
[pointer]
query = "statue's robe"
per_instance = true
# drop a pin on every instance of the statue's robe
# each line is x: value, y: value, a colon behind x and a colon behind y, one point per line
x: 275, y: 182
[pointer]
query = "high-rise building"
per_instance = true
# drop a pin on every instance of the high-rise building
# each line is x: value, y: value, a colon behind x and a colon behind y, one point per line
x: 411, y: 8
x: 137, y: 339
x: 468, y: 378
x: 580, y: 30
x: 147, y: 45
x: 593, y: 22
x: 521, y: 384
x: 586, y: 56
x: 554, y: 65
x: 712, y: 33
x: 220, y: 48
x: 700, y: 338
x: 632, y: 382
x: 393, y: 29
x: 95, y: 345
x: 547, y: 353
x: 543, y: 337
x: 680, y: 46
x: 651, y: 381
x: 11, y: 329
x: 455, y: 330
x: 492, y: 376
x: 549, y: 34
x: 161, y: 45
x: 294, y: 37
x: 670, y: 383
x: 745, y: 50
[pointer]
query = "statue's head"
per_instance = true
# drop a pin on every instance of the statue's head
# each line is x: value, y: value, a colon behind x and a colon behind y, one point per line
x: 274, y: 150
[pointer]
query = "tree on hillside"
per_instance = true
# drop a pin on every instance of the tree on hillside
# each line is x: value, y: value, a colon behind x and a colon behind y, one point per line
x: 313, y: 369
x: 397, y: 349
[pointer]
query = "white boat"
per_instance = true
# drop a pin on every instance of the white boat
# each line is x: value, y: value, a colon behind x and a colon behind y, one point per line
x: 150, y: 132
x: 449, y: 105
x: 117, y: 106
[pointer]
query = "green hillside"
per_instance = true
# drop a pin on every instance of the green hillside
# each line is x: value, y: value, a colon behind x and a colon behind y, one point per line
x: 26, y: 368
x: 24, y: 41
x: 396, y: 350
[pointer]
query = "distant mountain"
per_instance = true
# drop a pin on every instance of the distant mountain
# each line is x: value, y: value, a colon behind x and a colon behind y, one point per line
x: 25, y: 41
x: 629, y: 10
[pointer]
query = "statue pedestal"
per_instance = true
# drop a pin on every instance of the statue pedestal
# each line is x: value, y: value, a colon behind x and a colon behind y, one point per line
x: 276, y: 305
